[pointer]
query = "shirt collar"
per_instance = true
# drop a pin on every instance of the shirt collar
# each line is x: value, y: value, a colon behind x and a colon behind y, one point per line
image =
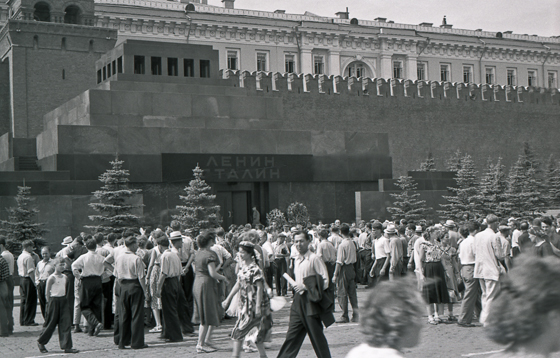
x: 304, y: 256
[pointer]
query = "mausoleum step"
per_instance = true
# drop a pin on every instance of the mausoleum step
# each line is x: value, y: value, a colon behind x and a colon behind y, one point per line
x: 34, y: 176
x: 27, y: 163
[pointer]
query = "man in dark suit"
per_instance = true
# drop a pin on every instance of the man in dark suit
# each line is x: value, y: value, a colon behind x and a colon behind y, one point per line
x: 301, y: 323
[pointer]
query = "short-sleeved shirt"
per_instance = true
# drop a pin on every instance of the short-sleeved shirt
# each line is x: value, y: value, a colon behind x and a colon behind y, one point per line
x: 222, y: 253
x: 280, y: 250
x: 129, y: 266
x: 186, y: 250
x: 396, y: 249
x: 346, y: 253
x: 44, y: 270
x: 7, y: 255
x: 4, y: 269
x: 91, y: 264
x: 326, y: 251
x: 310, y: 264
x: 382, y: 248
x: 466, y: 251
x: 170, y: 264
x: 335, y: 239
x: 26, y: 264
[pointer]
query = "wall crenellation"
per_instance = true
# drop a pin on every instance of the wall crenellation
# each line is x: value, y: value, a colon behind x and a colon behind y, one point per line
x: 380, y: 87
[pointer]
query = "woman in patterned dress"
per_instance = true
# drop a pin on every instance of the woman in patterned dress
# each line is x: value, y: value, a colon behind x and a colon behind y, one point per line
x: 254, y: 304
x: 434, y: 288
x: 153, y: 274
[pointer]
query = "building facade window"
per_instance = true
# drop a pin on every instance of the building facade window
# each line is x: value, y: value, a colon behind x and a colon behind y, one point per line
x: 139, y: 65
x: 318, y: 65
x: 490, y: 75
x: 421, y: 71
x: 289, y: 63
x: 233, y: 60
x: 532, y: 78
x: 172, y: 66
x: 512, y: 77
x: 205, y: 68
x: 188, y: 67
x: 120, y: 65
x: 444, y: 71
x: 552, y: 79
x: 397, y: 69
x: 468, y: 74
x: 357, y: 70
x: 156, y: 66
x: 262, y: 61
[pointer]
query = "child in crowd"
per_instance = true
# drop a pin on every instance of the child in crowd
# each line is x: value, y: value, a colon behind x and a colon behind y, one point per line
x: 58, y: 313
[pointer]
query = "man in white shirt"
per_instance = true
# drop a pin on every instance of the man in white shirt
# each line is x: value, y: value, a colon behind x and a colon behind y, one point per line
x: 88, y: 269
x: 418, y: 253
x: 306, y: 264
x: 472, y: 286
x: 335, y: 237
x: 185, y: 251
x: 488, y: 251
x: 27, y: 289
x: 42, y: 272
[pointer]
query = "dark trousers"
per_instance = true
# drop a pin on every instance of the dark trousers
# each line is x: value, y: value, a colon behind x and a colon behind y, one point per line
x: 91, y: 300
x: 59, y: 315
x: 70, y: 291
x: 116, y: 318
x: 186, y: 302
x: 108, y: 303
x: 171, y: 323
x: 347, y: 290
x: 41, y: 294
x: 10, y: 303
x: 281, y: 285
x: 300, y: 324
x: 4, y: 308
x: 331, y: 266
x: 471, y: 296
x: 131, y: 315
x: 28, y: 307
x: 269, y: 274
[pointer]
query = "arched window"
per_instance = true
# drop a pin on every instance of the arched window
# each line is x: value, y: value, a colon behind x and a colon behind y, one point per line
x: 42, y: 12
x: 356, y: 69
x: 72, y: 15
x: 35, y: 42
x: 63, y: 44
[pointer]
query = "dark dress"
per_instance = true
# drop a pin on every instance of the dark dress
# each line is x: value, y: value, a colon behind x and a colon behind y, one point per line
x: 207, y: 307
x: 434, y: 289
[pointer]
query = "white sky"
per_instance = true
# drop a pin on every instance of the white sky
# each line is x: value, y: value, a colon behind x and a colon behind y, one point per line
x: 541, y: 17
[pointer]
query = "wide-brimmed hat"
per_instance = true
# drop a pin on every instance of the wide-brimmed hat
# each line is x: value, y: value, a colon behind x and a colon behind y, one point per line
x: 418, y: 228
x: 175, y: 235
x: 391, y: 229
x: 67, y: 241
x: 449, y: 223
x: 503, y: 227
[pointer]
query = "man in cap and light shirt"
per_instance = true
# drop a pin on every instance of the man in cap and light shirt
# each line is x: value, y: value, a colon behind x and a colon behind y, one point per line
x: 42, y: 272
x: 169, y: 289
x: 183, y: 247
x: 345, y: 275
x: 27, y: 289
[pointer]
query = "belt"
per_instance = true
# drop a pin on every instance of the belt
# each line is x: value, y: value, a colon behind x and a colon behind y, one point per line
x: 128, y: 280
x: 467, y: 264
x: 92, y: 276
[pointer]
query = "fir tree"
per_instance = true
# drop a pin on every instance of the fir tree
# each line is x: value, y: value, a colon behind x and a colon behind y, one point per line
x: 491, y: 191
x: 552, y: 183
x: 529, y: 159
x: 407, y: 204
x: 429, y: 165
x: 523, y: 196
x: 462, y: 202
x: 114, y: 208
x: 199, y: 211
x: 276, y: 218
x: 453, y: 164
x: 22, y: 223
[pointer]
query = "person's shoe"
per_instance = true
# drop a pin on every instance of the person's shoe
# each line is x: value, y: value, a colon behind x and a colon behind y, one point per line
x: 156, y: 329
x: 203, y: 349
x: 169, y: 340
x: 143, y: 347
x: 122, y: 347
x: 32, y: 324
x: 452, y: 318
x: 355, y: 318
x: 71, y: 350
x: 42, y: 348
x: 189, y: 334
x: 210, y: 345
x: 342, y: 320
x: 77, y: 329
x: 467, y: 325
x: 431, y: 320
x: 249, y: 349
x: 97, y: 329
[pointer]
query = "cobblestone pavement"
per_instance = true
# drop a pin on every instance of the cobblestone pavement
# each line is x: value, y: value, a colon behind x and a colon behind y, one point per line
x: 437, y: 341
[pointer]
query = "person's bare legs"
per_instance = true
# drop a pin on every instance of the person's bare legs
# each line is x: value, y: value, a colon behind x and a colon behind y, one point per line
x: 202, y: 331
x: 262, y: 351
x: 157, y: 316
x: 236, y: 349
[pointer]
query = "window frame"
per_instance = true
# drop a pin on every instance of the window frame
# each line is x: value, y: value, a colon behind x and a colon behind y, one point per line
x: 555, y: 78
x: 470, y: 73
x: 293, y: 55
x: 400, y: 69
x: 447, y: 72
x: 321, y: 63
x: 493, y: 74
x: 422, y: 66
x: 535, y: 78
x: 512, y: 81
x: 259, y: 53
x: 237, y: 59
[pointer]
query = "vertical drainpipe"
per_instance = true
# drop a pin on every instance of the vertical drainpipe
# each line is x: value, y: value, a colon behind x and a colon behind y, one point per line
x: 480, y: 61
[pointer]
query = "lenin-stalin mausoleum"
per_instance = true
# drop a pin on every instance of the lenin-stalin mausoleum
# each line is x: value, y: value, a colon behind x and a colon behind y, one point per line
x: 263, y: 139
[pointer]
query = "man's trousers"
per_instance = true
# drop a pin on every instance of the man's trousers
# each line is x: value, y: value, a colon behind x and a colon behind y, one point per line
x: 4, y: 310
x: 170, y: 293
x: 58, y: 314
x: 346, y: 285
x: 186, y: 301
x: 91, y: 300
x: 300, y: 324
x: 281, y: 284
x: 41, y: 294
x: 108, y: 303
x: 471, y: 295
x: 490, y: 290
x: 28, y: 307
x: 131, y: 314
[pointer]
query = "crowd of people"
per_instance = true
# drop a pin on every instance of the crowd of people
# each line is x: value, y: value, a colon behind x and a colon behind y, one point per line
x: 171, y: 280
